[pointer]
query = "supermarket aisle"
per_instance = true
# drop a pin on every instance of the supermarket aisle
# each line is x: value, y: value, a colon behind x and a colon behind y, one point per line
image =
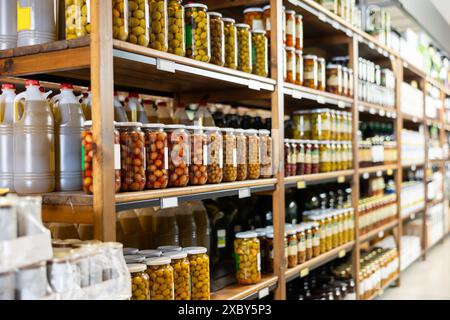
x: 429, y: 280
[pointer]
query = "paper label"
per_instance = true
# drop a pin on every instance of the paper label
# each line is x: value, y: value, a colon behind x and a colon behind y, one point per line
x: 301, y: 246
x: 234, y: 158
x: 290, y: 27
x: 117, y: 164
x: 263, y: 292
x: 244, y: 193
x: 205, y: 155
x: 221, y: 158
x: 167, y: 203
x: 166, y: 158
x: 258, y: 261
x: 221, y: 238
x: 304, y: 272
x: 88, y: 7
x: 23, y: 18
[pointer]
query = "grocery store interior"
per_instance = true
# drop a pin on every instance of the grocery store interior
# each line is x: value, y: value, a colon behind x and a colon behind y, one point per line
x: 224, y: 150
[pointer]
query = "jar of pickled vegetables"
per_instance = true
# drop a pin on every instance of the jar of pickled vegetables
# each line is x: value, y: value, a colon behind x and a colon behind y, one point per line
x: 140, y: 282
x: 287, y: 159
x: 161, y: 278
x: 344, y: 156
x: 244, y: 47
x: 229, y: 155
x: 290, y: 74
x: 338, y: 151
x: 293, y: 156
x: 299, y: 67
x: 325, y: 159
x: 268, y: 262
x: 298, y: 32
x: 120, y: 19
x: 260, y: 53
x: 345, y: 81
x: 157, y: 154
x: 132, y: 144
x: 292, y: 247
x: 254, y: 18
x: 231, y: 44
x: 321, y: 74
x: 301, y: 244
x: 343, y: 128
x: 310, y: 71
x: 248, y: 258
x: 198, y: 174
x: 176, y: 32
x: 139, y: 22
x: 349, y: 124
x: 300, y: 157
x: 266, y: 154
x: 181, y: 274
x: 334, y: 79
x: 334, y: 120
x: 308, y: 158
x: 321, y: 219
x: 78, y: 18
x: 241, y: 151
x: 315, y: 228
x: 302, y: 124
x: 215, y: 154
x: 290, y: 28
x: 200, y: 278
x: 341, y: 227
x: 179, y: 155
x: 253, y: 148
x: 216, y: 30
x: 309, y: 241
x: 334, y: 159
x: 198, y: 45
x: 320, y: 124
x: 158, y: 25
x: 335, y: 229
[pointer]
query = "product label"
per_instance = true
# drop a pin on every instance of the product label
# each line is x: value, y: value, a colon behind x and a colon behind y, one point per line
x: 23, y: 17
x: 257, y: 24
x: 290, y: 28
x: 301, y: 246
x: 221, y: 158
x: 221, y: 238
x: 83, y: 163
x: 88, y: 8
x: 290, y: 62
x: 315, y: 157
x: 299, y: 31
x: 300, y: 157
x: 325, y: 156
x: 309, y: 74
x: 166, y: 158
x: 117, y: 157
x: 316, y: 240
x: 326, y: 125
x: 188, y: 32
x: 258, y: 261
x: 309, y: 242
x: 308, y: 157
x: 147, y: 15
x: 205, y: 155
x: 292, y: 158
x: 333, y: 81
x: 234, y: 158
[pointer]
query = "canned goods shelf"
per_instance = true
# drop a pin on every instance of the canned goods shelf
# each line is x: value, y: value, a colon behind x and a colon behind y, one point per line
x: 237, y: 292
x: 380, y: 230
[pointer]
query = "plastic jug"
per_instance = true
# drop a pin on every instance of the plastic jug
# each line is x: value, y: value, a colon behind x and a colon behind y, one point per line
x: 6, y: 136
x: 163, y: 113
x: 8, y: 24
x: 87, y: 105
x: 165, y: 228
x: 202, y: 224
x: 203, y: 117
x: 150, y: 111
x: 181, y: 117
x: 119, y: 112
x: 134, y: 109
x: 36, y: 22
x: 34, y: 142
x: 187, y: 226
x: 68, y: 127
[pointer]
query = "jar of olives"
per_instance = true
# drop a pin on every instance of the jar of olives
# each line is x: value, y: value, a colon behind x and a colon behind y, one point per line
x: 292, y: 247
x: 300, y: 167
x: 339, y: 156
x: 307, y: 164
x: 198, y: 174
x: 325, y: 159
x: 287, y: 158
x: 244, y: 47
x: 320, y: 124
x: 231, y: 44
x: 158, y: 25
x: 293, y: 156
x: 78, y: 18
x: 310, y: 71
x: 229, y: 155
x: 179, y: 155
x: 139, y: 22
x: 298, y: 32
x: 176, y: 32
x: 260, y: 55
x: 215, y: 154
x: 315, y: 157
x: 216, y: 26
x: 253, y: 148
x: 299, y: 67
x: 254, y: 18
x: 161, y: 278
x: 198, y: 45
x: 266, y: 154
x: 321, y: 74
x: 316, y: 238
x: 290, y: 74
x: 87, y: 164
x: 132, y: 144
x: 334, y: 121
x: 200, y: 279
x: 268, y: 262
x: 140, y: 282
x: 302, y: 124
x: 290, y: 28
x: 309, y: 241
x: 334, y: 156
x: 157, y: 154
x: 248, y: 258
x: 181, y: 274
x: 241, y: 150
x: 120, y: 19
x: 334, y: 79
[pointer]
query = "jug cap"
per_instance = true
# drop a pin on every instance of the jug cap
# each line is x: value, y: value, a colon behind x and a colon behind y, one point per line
x: 30, y: 83
x: 66, y: 86
x: 41, y: 89
x: 7, y: 86
x: 133, y: 95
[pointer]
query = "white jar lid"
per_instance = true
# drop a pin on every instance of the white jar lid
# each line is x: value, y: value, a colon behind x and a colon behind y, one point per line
x: 196, y: 5
x: 246, y: 235
x: 158, y: 261
x: 128, y: 124
x: 195, y: 250
x: 229, y: 20
x: 136, y: 267
x: 174, y: 255
x: 253, y: 9
x: 169, y: 248
x: 150, y: 253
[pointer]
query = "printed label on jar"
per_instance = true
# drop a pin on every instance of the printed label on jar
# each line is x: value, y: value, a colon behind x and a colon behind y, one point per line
x: 309, y: 74
x: 234, y: 158
x: 88, y: 11
x: 166, y: 158
x: 323, y: 233
x: 221, y: 238
x: 117, y: 157
x: 325, y: 156
x: 290, y: 27
x: 221, y: 158
x: 205, y: 155
x: 315, y: 157
x: 301, y: 246
x: 309, y: 242
x: 258, y: 261
x: 316, y: 240
x: 290, y: 64
x: 308, y: 157
x: 333, y: 81
x: 258, y: 24
x: 300, y: 157
x: 147, y: 14
x: 326, y: 125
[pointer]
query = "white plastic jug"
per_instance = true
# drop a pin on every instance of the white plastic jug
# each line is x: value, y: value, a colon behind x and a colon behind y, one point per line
x: 34, y: 142
x: 36, y: 22
x: 6, y: 136
x: 87, y: 105
x: 68, y: 127
x: 119, y: 112
x: 134, y: 109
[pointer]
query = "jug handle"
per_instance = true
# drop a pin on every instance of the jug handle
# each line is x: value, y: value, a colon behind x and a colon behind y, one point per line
x: 17, y: 99
x: 80, y: 97
x: 46, y: 94
x: 55, y: 99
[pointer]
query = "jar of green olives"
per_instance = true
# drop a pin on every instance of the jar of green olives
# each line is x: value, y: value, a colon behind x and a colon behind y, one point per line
x: 216, y: 30
x: 321, y: 124
x: 229, y: 155
x: 241, y: 149
x: 120, y: 19
x: 253, y: 154
x: 244, y: 47
x: 176, y: 34
x: 215, y: 155
x: 158, y: 25
x: 266, y: 154
x: 248, y: 258
x: 260, y: 53
x: 140, y: 282
x: 198, y: 45
x: 139, y: 22
x: 230, y: 35
x: 78, y: 18
x: 325, y: 156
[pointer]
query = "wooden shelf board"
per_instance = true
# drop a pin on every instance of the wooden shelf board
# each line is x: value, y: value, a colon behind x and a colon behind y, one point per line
x: 320, y: 177
x: 412, y: 214
x: 381, y: 291
x: 377, y: 169
x: 432, y: 203
x: 411, y: 165
x: 242, y: 292
x: 413, y: 69
x: 374, y: 233
x: 375, y: 109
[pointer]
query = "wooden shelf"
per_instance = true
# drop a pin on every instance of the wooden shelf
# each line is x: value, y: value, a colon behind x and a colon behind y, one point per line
x: 432, y: 203
x: 304, y: 269
x: 413, y: 70
x: 374, y: 233
x: 413, y: 214
x: 381, y: 291
x: 378, y: 169
x: 239, y: 292
x: 338, y: 176
x: 412, y: 165
x: 374, y: 109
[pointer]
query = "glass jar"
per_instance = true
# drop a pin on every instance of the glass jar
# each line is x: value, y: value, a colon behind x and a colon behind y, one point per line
x: 229, y: 155
x: 344, y: 157
x: 241, y: 151
x: 198, y: 174
x: 78, y: 19
x: 87, y: 164
x: 179, y: 153
x: 292, y: 247
x: 309, y: 241
x: 266, y: 154
x: 287, y: 159
x: 244, y: 47
x: 200, y: 278
x: 335, y: 230
x: 290, y: 64
x: 268, y: 262
x: 321, y: 74
x: 248, y: 258
x: 290, y: 28
x: 345, y: 81
x: 260, y: 53
x: 298, y: 32
x: 342, y: 126
x: 325, y: 159
x: 140, y: 282
x: 139, y: 22
x: 300, y: 157
x: 292, y: 157
x: 157, y: 155
x: 334, y: 120
x: 323, y: 232
x: 299, y: 67
x: 334, y: 156
x: 315, y: 228
x: 321, y: 124
x: 176, y: 32
x: 301, y: 244
x: 215, y: 154
x: 158, y: 25
x: 339, y: 158
x: 302, y: 124
x: 254, y: 18
x: 132, y: 143
x: 181, y: 274
x: 307, y: 164
x: 253, y: 147
x: 341, y: 227
x: 351, y: 85
x: 198, y: 45
x: 350, y: 155
x: 216, y: 26
x: 334, y: 79
x: 231, y: 44
x: 349, y: 124
x: 120, y: 19
x: 310, y: 72
x: 161, y: 278
x: 329, y: 232
x: 315, y: 157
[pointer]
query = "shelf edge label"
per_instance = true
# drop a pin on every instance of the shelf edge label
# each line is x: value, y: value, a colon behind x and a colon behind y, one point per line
x: 341, y: 179
x: 304, y: 272
x: 342, y: 254
x: 263, y: 293
x: 165, y: 65
x: 244, y: 193
x: 167, y: 203
x: 254, y: 85
x: 301, y: 185
x: 297, y: 94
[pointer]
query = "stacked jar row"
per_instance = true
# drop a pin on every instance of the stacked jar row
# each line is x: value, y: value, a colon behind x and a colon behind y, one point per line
x: 377, y: 211
x: 322, y: 124
x: 171, y: 274
x: 156, y: 156
x: 303, y: 157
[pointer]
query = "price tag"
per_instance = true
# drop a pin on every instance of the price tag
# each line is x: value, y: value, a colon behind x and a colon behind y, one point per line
x: 366, y: 176
x: 304, y: 272
x: 390, y: 172
x: 342, y: 254
x: 413, y: 216
x: 414, y: 119
x: 263, y: 293
x: 361, y: 109
x: 297, y: 94
x: 341, y: 104
x: 320, y: 100
x: 244, y: 193
x: 349, y: 33
x: 165, y: 65
x: 322, y: 17
x: 371, y: 46
x: 379, y: 173
x: 336, y: 25
x: 254, y: 85
x: 381, y: 234
x: 341, y: 179
x: 381, y: 292
x: 167, y: 203
x: 372, y: 111
x: 301, y: 185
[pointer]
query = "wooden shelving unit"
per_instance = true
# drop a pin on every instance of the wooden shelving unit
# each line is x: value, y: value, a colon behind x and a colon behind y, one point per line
x: 380, y: 292
x: 250, y: 292
x: 376, y: 232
